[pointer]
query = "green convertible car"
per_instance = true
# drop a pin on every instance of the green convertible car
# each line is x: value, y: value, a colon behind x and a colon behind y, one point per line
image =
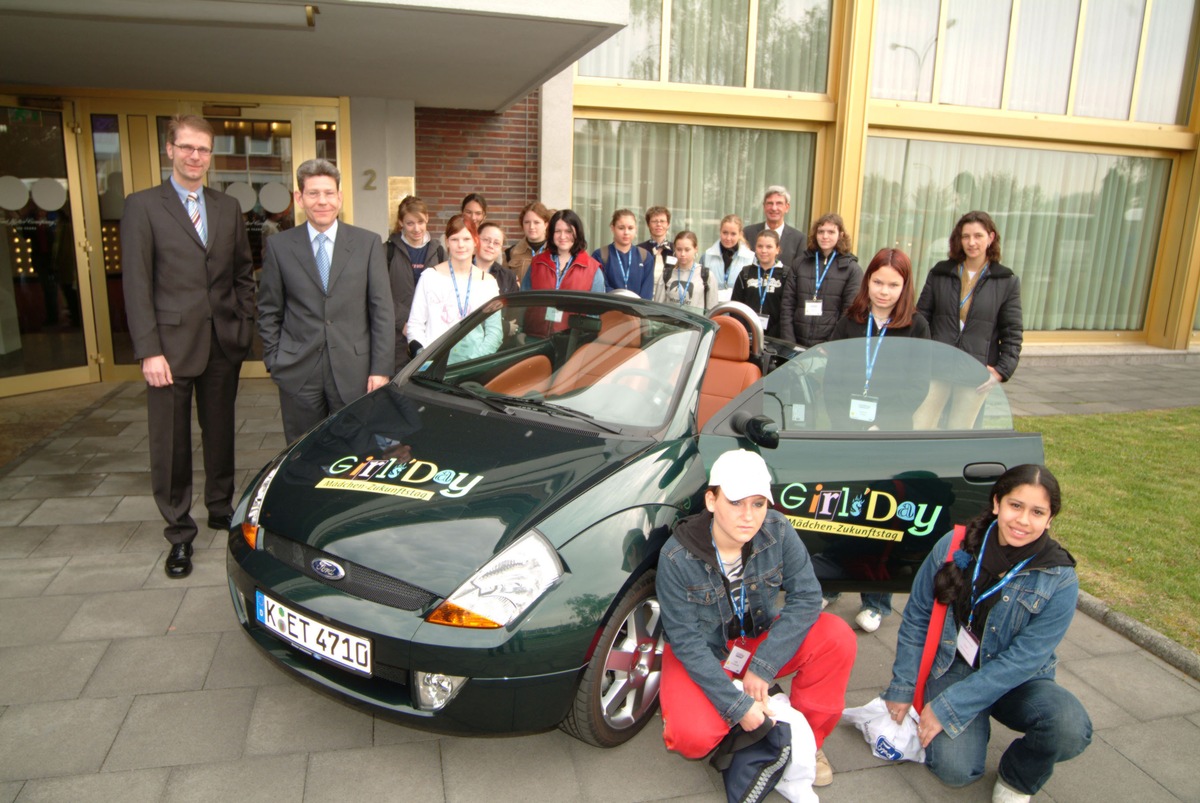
x: 472, y: 548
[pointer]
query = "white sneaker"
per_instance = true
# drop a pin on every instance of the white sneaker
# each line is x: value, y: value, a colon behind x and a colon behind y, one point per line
x: 824, y: 603
x: 1003, y: 794
x: 868, y: 620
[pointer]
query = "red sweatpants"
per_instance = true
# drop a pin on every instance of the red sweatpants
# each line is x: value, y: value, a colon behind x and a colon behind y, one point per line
x: 691, y: 725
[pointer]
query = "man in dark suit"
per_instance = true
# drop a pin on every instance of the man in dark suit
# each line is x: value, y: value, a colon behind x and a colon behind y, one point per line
x: 189, y: 300
x: 325, y: 310
x: 777, y: 201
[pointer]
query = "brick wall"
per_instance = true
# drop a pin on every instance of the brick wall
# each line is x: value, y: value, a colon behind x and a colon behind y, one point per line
x: 461, y: 151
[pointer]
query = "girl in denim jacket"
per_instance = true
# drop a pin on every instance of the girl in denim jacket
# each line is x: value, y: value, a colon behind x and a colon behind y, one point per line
x: 1012, y: 591
x: 718, y: 583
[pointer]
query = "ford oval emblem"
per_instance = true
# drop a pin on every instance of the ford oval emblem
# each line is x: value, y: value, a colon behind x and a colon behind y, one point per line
x: 328, y: 569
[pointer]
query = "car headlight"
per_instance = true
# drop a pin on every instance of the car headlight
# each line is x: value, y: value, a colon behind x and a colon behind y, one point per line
x: 251, y: 506
x: 504, y: 588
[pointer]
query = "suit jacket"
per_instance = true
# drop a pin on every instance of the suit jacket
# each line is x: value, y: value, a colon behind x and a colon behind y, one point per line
x: 177, y: 291
x: 297, y: 320
x: 791, y: 244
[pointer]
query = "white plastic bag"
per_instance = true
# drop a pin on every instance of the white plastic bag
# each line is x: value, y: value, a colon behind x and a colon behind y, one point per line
x: 796, y: 783
x: 889, y: 740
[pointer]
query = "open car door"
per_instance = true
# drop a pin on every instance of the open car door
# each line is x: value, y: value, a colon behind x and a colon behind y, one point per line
x: 872, y: 473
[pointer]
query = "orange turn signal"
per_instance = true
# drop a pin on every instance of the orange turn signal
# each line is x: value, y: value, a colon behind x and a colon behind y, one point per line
x: 456, y: 616
x: 250, y: 533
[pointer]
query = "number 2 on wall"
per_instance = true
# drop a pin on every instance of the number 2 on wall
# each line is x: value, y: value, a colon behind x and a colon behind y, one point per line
x: 369, y: 183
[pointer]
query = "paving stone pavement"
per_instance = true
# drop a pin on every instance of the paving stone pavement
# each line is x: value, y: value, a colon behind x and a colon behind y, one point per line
x: 117, y: 684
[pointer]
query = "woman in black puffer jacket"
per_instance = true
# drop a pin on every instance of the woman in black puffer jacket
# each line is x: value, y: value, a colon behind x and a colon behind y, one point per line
x: 973, y: 303
x: 823, y: 281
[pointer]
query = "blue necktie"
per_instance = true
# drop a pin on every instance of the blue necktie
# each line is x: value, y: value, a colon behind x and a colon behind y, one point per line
x: 323, y: 261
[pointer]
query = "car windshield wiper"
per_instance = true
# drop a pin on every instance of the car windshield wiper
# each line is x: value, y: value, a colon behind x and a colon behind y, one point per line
x: 463, y: 392
x: 558, y: 409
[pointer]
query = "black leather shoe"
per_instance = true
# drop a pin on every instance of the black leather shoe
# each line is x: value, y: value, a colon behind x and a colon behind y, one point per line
x: 220, y: 522
x: 179, y: 561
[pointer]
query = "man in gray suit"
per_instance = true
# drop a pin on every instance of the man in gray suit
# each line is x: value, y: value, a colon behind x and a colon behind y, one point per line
x: 189, y: 300
x: 325, y: 310
x: 777, y: 202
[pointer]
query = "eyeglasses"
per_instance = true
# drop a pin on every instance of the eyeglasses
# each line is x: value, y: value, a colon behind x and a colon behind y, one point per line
x: 491, y: 241
x: 188, y: 150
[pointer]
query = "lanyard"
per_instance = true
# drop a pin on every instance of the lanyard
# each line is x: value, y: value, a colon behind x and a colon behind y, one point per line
x: 739, y: 606
x: 685, y: 291
x: 872, y: 356
x: 559, y: 271
x: 625, y: 265
x: 541, y: 248
x: 1008, y: 575
x: 821, y: 274
x: 463, y: 307
x: 763, y: 287
x: 975, y: 286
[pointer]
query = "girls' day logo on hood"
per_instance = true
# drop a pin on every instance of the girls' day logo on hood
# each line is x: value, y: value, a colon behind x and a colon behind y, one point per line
x: 393, y: 476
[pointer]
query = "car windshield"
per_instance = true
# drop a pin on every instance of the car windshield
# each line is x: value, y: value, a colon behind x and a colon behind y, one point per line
x: 596, y: 359
x: 912, y: 385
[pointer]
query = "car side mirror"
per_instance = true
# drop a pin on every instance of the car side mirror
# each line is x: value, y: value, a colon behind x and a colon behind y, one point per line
x: 759, y: 429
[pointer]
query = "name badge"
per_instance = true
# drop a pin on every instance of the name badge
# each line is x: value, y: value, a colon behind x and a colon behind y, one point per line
x: 737, y: 660
x: 765, y: 320
x: 799, y: 414
x: 863, y: 408
x: 670, y: 260
x: 814, y: 306
x: 968, y: 646
x: 554, y: 315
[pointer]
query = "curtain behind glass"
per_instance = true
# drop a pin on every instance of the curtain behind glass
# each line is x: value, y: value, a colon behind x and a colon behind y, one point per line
x: 1045, y: 50
x: 700, y: 173
x: 1167, y: 73
x: 1080, y: 229
x: 708, y: 42
x: 974, y: 52
x: 1111, y: 35
x: 903, y: 50
x: 634, y: 52
x: 792, y: 45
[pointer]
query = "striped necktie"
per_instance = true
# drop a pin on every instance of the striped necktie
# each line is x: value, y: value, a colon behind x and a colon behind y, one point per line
x: 193, y: 208
x: 323, y: 261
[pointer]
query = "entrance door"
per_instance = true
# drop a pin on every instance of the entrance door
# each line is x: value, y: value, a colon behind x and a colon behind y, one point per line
x: 46, y: 329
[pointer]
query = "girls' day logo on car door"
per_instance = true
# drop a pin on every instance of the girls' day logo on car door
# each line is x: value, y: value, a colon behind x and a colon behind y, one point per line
x: 868, y: 513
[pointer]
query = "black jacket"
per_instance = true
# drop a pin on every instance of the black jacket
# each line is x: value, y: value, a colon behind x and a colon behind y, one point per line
x: 994, y: 328
x: 838, y: 290
x: 404, y: 284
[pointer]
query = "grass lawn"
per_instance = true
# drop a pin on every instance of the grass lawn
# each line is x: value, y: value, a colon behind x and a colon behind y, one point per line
x: 1131, y: 510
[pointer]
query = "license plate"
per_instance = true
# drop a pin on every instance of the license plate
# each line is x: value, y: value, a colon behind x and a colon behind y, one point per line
x: 321, y: 641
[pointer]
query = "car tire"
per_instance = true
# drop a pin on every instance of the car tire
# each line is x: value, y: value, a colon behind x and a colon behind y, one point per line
x: 619, y: 691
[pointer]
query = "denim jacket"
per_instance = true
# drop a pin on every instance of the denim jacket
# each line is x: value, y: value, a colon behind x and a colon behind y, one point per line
x: 695, y: 607
x: 1023, y: 629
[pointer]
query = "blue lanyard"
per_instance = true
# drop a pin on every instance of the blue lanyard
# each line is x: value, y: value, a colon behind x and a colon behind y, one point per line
x: 763, y: 287
x: 543, y: 248
x: 872, y: 356
x: 975, y: 286
x: 1008, y: 575
x: 625, y: 265
x: 685, y: 291
x: 559, y: 271
x: 739, y: 606
x: 463, y: 307
x: 821, y: 274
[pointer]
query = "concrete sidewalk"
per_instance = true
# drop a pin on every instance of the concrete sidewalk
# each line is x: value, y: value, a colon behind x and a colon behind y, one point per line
x: 119, y: 684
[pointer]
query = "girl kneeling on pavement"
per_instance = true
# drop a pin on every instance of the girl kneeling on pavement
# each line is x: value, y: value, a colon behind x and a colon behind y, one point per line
x: 1010, y: 591
x: 719, y: 578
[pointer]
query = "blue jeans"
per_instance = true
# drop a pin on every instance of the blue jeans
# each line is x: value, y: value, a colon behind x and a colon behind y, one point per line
x: 1054, y: 724
x: 880, y: 603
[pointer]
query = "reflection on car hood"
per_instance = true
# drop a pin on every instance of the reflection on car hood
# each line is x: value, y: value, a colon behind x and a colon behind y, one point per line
x: 427, y: 493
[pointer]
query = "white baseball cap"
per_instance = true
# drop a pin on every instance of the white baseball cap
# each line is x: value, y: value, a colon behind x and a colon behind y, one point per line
x: 740, y: 473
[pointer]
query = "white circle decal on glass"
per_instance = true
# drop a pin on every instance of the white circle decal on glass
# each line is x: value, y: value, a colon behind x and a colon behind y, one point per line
x: 13, y: 193
x: 244, y: 194
x: 49, y: 194
x: 274, y: 197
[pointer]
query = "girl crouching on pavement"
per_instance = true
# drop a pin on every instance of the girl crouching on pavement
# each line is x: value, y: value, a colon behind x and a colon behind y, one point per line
x: 719, y: 578
x: 1011, y: 590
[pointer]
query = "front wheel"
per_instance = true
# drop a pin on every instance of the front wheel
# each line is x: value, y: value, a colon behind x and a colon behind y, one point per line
x: 619, y: 691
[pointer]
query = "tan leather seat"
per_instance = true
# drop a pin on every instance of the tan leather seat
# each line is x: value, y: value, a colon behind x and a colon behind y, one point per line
x: 729, y: 371
x: 619, y: 340
x: 530, y: 374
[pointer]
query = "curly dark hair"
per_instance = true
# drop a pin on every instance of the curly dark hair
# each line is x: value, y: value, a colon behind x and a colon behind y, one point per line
x: 983, y: 219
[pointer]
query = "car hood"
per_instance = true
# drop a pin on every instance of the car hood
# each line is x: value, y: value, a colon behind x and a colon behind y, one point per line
x: 426, y: 492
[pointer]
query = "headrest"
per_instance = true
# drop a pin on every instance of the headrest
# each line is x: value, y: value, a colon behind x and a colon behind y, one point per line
x: 733, y: 341
x: 620, y: 329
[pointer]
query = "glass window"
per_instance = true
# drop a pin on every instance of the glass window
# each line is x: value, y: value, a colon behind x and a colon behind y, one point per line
x: 974, y: 52
x: 792, y: 48
x: 1080, y: 229
x: 326, y: 139
x: 1112, y: 31
x: 1167, y: 73
x: 700, y: 173
x: 906, y: 33
x: 634, y: 52
x: 708, y: 42
x: 1042, y: 61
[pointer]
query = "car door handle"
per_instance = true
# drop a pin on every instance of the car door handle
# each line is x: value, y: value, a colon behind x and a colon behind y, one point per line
x: 983, y: 472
